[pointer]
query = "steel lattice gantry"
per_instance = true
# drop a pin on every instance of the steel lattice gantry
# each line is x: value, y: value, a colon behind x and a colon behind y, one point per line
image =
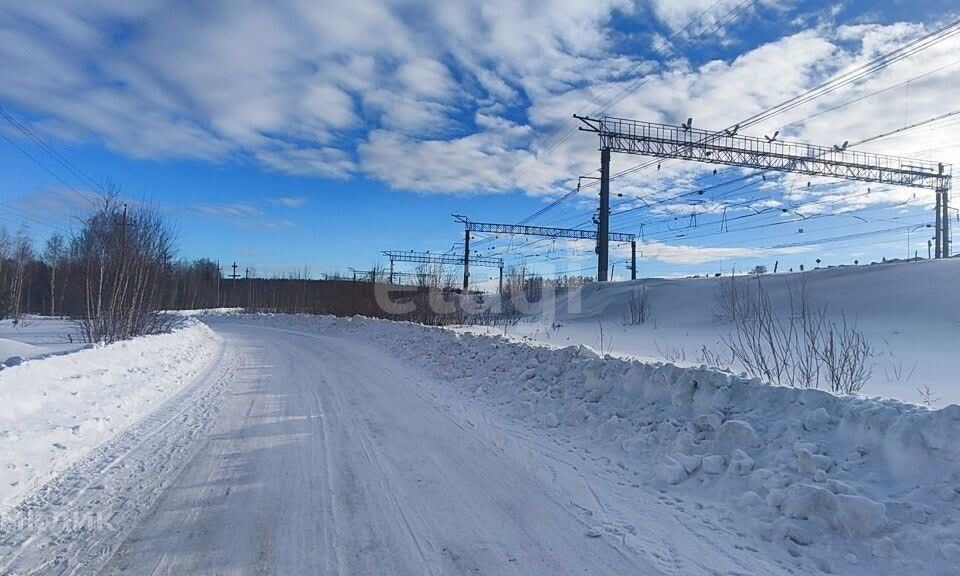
x: 427, y: 258
x: 732, y: 149
x: 545, y: 232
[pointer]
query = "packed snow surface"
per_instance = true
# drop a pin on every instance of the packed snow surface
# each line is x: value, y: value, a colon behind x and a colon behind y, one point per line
x: 802, y: 479
x: 324, y: 445
x: 55, y: 410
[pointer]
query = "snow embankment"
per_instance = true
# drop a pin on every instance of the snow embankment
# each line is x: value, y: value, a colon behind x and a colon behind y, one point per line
x: 54, y: 410
x: 207, y: 312
x: 906, y: 311
x: 852, y: 485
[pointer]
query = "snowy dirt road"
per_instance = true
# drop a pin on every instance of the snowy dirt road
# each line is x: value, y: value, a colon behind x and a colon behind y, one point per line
x: 322, y: 456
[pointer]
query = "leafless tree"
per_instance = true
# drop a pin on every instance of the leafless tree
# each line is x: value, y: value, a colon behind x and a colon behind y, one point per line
x: 23, y: 257
x: 55, y: 256
x: 6, y: 295
x: 125, y: 258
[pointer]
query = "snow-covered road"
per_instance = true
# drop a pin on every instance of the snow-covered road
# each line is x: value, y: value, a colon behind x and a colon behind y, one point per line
x: 329, y: 461
x: 323, y: 456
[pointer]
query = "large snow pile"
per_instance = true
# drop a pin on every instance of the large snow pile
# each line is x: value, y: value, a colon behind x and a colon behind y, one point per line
x: 54, y: 410
x: 907, y: 310
x: 842, y: 484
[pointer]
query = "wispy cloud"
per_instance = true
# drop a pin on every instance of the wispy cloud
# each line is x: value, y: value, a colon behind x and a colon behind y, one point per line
x: 243, y: 214
x: 229, y: 210
x: 290, y: 201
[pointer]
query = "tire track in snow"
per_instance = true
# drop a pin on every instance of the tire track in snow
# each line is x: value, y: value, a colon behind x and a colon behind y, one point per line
x: 374, y: 456
x: 77, y: 520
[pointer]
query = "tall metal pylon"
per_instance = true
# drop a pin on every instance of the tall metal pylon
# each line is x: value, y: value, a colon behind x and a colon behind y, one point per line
x: 732, y: 149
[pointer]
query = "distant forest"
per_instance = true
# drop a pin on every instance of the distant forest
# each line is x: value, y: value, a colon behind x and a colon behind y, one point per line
x: 119, y: 274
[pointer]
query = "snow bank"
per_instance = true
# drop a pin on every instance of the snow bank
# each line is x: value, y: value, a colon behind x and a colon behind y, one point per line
x: 53, y: 411
x: 207, y: 312
x: 906, y: 310
x: 878, y: 481
x: 13, y: 352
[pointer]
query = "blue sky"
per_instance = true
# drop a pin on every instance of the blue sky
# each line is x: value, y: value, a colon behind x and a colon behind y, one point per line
x: 311, y: 134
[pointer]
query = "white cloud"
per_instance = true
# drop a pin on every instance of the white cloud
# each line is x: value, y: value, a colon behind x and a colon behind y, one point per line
x: 434, y: 97
x: 229, y: 209
x: 326, y: 162
x: 474, y: 163
x: 426, y: 77
x: 290, y: 201
x: 244, y: 214
x: 684, y: 254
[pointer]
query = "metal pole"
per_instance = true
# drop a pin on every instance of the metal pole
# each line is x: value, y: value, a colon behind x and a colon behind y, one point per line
x: 391, y: 271
x: 501, y: 280
x: 633, y: 260
x: 945, y: 219
x: 466, y: 261
x: 938, y: 228
x: 603, y: 227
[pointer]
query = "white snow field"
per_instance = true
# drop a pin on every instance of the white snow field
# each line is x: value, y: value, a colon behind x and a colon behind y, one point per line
x: 54, y: 410
x: 36, y: 337
x: 316, y: 445
x: 908, y: 311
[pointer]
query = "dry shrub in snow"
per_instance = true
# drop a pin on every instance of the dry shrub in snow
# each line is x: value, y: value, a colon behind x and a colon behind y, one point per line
x: 796, y: 346
x: 638, y: 311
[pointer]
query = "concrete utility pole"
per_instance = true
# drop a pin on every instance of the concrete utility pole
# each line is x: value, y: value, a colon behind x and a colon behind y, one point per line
x: 633, y: 260
x: 603, y: 226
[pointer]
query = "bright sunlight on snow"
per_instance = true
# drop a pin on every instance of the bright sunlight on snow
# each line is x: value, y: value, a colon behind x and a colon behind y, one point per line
x: 498, y: 288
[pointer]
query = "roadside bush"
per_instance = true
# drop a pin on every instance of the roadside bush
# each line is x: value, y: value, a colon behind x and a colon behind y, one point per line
x: 800, y: 346
x: 638, y: 307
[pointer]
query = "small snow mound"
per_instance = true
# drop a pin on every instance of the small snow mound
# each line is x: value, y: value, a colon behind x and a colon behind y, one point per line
x: 736, y: 434
x: 671, y: 471
x: 740, y: 462
x: 859, y: 516
x: 808, y: 502
x: 714, y: 464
